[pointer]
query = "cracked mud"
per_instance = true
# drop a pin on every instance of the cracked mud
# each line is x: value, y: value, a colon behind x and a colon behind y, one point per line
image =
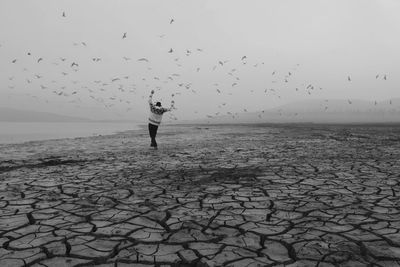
x: 210, y: 196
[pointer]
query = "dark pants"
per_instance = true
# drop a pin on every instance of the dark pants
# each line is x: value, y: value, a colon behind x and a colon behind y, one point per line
x: 153, y: 133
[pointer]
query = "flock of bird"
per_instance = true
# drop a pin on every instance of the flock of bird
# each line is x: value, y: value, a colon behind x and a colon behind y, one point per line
x: 120, y: 85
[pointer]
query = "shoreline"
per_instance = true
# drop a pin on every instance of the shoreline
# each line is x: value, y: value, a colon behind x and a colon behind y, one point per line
x: 143, y: 126
x: 59, y: 130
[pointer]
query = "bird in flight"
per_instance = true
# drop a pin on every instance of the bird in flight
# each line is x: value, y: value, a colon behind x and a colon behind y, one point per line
x: 63, y: 14
x: 384, y: 77
x: 124, y: 36
x: 244, y: 57
x: 40, y: 59
x: 14, y: 61
x: 74, y: 64
x: 143, y: 59
x: 172, y: 20
x: 348, y: 78
x: 171, y: 50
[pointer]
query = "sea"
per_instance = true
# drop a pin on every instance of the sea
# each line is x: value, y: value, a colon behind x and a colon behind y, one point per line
x: 17, y: 132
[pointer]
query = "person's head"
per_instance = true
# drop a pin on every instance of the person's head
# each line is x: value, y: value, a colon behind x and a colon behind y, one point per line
x: 158, y: 104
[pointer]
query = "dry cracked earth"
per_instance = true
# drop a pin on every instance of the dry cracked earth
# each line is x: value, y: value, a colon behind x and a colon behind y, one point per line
x: 244, y: 195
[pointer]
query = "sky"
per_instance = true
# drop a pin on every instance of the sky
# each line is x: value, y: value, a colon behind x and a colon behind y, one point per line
x: 210, y: 57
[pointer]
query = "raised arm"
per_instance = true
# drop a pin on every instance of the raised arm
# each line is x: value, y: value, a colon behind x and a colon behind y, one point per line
x: 172, y: 106
x: 151, y: 97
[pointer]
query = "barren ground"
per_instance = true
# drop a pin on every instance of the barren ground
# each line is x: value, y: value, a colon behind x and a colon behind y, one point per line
x: 234, y: 195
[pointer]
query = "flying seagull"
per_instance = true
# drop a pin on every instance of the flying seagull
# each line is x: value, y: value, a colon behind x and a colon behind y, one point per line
x: 124, y: 36
x: 143, y: 59
x: 172, y: 20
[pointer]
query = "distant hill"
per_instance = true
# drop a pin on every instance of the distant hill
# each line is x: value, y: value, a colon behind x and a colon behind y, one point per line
x: 320, y: 111
x: 16, y: 115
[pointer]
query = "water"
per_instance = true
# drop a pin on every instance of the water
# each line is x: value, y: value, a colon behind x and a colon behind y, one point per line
x: 16, y: 132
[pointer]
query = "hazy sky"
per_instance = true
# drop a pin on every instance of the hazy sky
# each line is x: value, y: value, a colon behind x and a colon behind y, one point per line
x: 319, y: 42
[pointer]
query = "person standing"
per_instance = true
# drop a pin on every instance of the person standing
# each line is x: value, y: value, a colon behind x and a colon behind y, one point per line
x: 156, y: 113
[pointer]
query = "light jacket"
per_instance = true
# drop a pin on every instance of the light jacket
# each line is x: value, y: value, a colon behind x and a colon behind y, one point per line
x: 156, y: 113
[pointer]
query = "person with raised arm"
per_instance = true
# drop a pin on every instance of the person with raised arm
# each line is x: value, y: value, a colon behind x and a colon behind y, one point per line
x: 156, y: 113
